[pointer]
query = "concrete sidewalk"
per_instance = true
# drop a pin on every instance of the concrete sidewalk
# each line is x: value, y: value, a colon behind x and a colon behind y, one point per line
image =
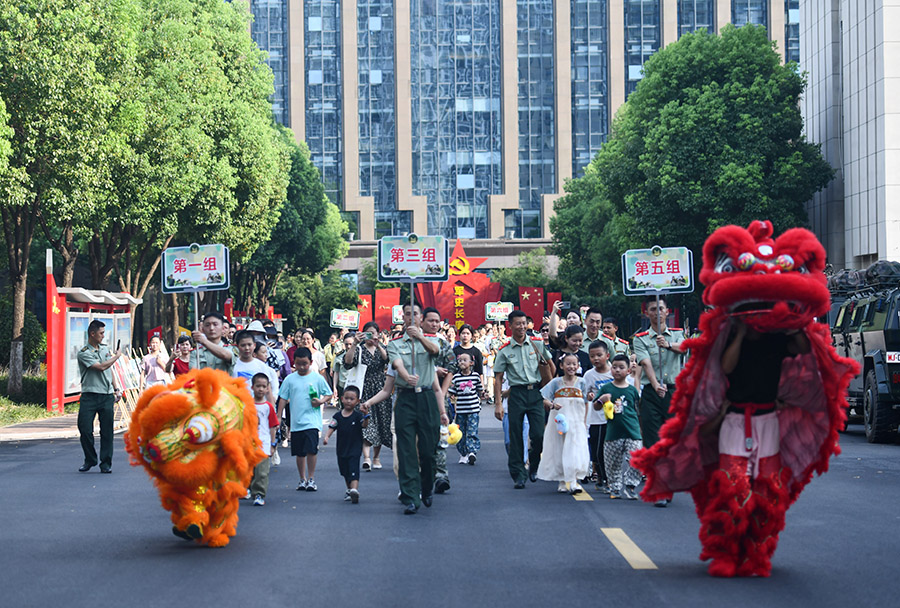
x: 57, y: 427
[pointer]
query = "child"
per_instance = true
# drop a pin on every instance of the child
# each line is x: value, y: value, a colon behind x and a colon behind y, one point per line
x: 268, y: 421
x: 623, y: 432
x: 594, y: 379
x: 349, y: 424
x: 467, y: 388
x: 306, y: 392
x: 564, y: 457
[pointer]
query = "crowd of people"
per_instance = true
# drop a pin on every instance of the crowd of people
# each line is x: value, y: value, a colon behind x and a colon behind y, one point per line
x: 575, y: 399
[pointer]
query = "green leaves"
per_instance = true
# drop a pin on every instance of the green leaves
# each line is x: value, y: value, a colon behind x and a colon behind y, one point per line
x: 712, y: 136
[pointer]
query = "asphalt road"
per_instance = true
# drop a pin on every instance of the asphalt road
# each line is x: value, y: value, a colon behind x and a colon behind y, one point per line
x: 87, y: 539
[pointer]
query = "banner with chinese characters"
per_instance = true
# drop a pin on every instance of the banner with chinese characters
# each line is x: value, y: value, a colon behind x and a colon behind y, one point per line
x: 365, y: 310
x: 413, y: 258
x: 343, y: 318
x: 195, y: 268
x: 498, y: 311
x: 461, y: 300
x: 657, y: 270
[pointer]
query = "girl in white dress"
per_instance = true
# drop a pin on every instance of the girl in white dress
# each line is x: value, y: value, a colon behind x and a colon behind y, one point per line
x: 565, y: 457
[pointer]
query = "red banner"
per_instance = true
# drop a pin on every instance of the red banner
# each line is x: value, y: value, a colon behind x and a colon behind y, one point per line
x: 56, y: 347
x: 365, y: 310
x: 531, y: 302
x: 385, y: 300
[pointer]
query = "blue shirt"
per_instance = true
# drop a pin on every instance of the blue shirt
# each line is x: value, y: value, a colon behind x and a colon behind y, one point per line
x: 295, y: 389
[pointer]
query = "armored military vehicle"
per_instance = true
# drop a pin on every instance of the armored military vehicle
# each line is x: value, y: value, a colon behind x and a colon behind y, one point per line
x: 865, y: 326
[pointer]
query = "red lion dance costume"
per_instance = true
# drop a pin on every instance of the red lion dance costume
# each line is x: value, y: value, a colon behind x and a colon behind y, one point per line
x: 776, y: 288
x: 197, y: 438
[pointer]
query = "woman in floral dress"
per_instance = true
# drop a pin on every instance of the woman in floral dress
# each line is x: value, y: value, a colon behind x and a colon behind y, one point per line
x: 372, y: 354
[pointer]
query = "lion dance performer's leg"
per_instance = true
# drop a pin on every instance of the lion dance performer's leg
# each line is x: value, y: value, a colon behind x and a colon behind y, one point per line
x: 747, y: 499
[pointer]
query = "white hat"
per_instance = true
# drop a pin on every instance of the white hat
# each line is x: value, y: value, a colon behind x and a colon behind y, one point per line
x: 256, y: 326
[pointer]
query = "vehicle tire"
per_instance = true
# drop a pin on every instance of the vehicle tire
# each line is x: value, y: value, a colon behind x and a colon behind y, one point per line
x: 877, y: 417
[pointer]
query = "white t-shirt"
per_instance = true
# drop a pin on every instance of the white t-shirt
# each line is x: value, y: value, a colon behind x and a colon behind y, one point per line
x: 318, y: 360
x: 267, y: 419
x: 253, y: 367
x: 593, y: 381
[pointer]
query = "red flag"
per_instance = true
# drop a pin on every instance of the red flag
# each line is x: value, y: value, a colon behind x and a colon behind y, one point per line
x: 385, y: 300
x: 365, y: 309
x: 552, y: 297
x: 531, y: 302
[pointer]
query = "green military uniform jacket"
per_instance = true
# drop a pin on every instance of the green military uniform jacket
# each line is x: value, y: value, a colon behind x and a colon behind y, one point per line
x: 201, y: 358
x: 645, y: 348
x: 93, y: 381
x: 403, y: 348
x: 520, y: 362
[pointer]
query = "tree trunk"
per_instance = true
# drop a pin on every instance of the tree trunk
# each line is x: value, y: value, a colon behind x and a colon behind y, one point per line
x: 16, y: 361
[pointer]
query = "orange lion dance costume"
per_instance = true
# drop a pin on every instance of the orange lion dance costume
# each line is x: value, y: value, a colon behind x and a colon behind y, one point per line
x: 197, y: 438
x: 743, y: 479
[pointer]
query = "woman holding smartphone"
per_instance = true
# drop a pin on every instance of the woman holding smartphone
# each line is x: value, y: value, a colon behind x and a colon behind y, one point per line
x: 369, y: 352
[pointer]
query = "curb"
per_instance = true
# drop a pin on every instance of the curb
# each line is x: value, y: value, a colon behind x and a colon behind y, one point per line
x: 44, y: 435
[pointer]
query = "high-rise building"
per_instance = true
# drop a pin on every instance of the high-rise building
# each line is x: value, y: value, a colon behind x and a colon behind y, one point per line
x: 852, y: 107
x: 465, y: 117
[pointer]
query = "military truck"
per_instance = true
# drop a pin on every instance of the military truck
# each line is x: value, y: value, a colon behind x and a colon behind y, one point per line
x: 865, y: 326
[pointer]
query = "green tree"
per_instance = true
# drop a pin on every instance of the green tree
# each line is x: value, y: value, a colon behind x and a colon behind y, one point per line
x: 712, y: 136
x: 307, y: 301
x: 530, y: 271
x: 307, y: 239
x: 58, y: 107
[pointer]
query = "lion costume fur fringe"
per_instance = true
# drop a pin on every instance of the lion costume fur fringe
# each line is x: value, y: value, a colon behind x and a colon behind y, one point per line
x: 197, y: 438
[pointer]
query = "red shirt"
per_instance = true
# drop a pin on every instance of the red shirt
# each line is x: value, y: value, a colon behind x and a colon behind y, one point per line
x: 180, y: 367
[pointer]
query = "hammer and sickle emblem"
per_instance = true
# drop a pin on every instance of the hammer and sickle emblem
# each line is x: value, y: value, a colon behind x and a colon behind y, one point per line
x: 459, y: 266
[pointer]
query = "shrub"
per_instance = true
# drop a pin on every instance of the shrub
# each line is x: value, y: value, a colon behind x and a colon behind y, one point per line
x: 34, y: 337
x: 34, y: 387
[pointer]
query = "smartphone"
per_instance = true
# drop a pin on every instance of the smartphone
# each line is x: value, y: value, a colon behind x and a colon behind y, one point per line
x: 118, y: 346
x: 565, y: 304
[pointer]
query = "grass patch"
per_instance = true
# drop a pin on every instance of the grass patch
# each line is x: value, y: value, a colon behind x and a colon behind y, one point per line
x: 30, y: 405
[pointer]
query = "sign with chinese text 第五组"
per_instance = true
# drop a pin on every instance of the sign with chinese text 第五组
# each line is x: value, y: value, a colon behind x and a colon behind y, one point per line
x: 343, y: 318
x: 413, y: 258
x: 498, y: 311
x: 657, y: 270
x: 195, y: 268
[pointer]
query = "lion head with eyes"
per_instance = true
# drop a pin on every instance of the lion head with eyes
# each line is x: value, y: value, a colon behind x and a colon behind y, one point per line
x: 770, y: 284
x: 197, y: 438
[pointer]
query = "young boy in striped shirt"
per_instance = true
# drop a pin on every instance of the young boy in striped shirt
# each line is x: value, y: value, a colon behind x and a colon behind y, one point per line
x: 466, y: 389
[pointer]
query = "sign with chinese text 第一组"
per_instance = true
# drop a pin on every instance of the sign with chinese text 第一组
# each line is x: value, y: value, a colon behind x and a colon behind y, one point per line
x: 342, y: 318
x: 413, y: 258
x: 657, y: 270
x: 195, y: 268
x: 498, y: 311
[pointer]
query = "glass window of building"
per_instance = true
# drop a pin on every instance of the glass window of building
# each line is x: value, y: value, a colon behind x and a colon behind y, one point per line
x: 455, y: 92
x: 792, y: 30
x: 537, y: 150
x: 642, y: 38
x: 696, y: 15
x: 749, y: 12
x: 269, y: 32
x: 590, y: 80
x: 323, y: 92
x: 377, y: 146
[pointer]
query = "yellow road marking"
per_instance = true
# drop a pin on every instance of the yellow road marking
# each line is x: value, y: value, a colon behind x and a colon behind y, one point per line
x: 630, y: 551
x: 582, y: 496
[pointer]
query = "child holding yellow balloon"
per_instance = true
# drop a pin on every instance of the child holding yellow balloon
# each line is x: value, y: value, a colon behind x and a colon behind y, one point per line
x: 623, y: 431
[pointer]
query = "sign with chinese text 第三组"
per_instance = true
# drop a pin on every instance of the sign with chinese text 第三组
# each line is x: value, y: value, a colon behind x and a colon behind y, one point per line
x: 342, y: 318
x: 413, y: 258
x: 657, y: 270
x: 498, y: 311
x: 195, y: 268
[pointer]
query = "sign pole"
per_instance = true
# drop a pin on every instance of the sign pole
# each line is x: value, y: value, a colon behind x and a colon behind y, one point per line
x: 658, y: 326
x: 196, y: 311
x: 412, y: 320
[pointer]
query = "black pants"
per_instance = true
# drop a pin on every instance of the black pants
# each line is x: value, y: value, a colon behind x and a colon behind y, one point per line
x: 102, y: 406
x: 525, y: 402
x: 417, y: 423
x: 654, y: 412
x: 596, y: 437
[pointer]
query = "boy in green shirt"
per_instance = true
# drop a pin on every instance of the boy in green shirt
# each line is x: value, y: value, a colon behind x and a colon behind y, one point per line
x: 623, y: 431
